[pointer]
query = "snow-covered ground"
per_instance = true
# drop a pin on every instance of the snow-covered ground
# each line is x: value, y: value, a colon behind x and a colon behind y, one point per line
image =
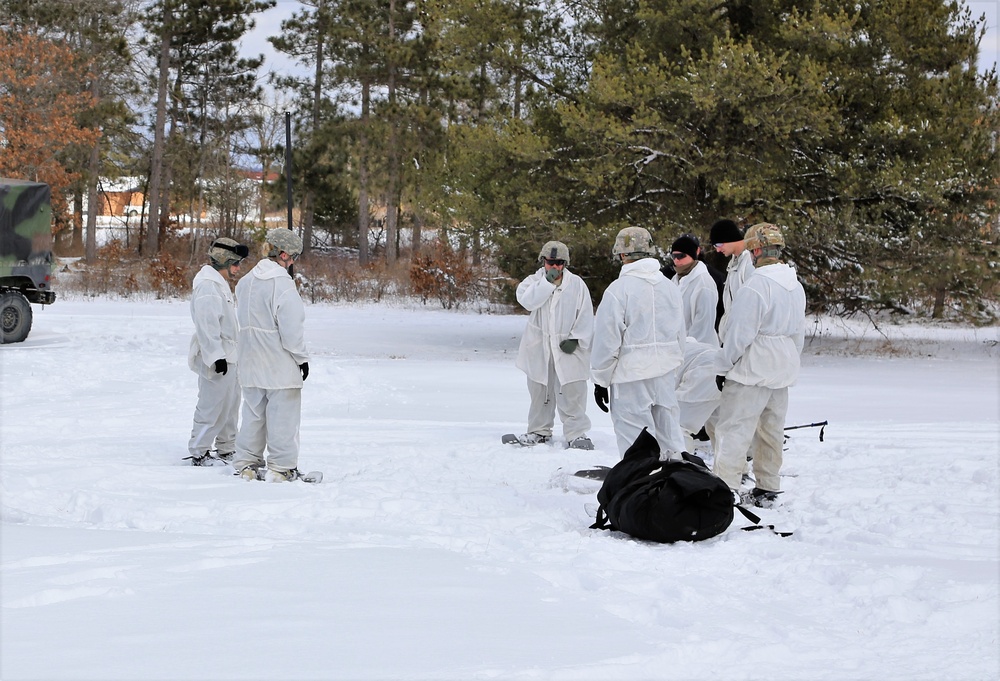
x: 431, y: 551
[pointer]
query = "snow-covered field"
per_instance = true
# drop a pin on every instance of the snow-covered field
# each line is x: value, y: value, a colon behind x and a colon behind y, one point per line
x: 431, y: 551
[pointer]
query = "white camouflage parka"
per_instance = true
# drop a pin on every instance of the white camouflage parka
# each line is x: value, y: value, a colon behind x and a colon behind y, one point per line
x: 272, y: 319
x: 214, y: 314
x: 763, y: 339
x: 557, y: 313
x: 701, y: 298
x: 639, y: 328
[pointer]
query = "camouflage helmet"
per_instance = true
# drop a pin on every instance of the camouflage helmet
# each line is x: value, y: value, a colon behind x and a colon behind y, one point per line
x: 554, y: 250
x: 633, y: 241
x: 282, y: 239
x: 224, y: 252
x: 762, y: 235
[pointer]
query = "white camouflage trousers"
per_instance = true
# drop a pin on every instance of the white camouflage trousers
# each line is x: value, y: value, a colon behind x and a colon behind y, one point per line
x: 271, y: 419
x: 650, y: 403
x: 694, y: 417
x: 570, y: 399
x: 217, y: 411
x: 750, y: 417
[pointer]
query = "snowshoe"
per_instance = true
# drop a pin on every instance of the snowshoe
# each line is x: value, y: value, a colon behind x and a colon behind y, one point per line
x: 526, y: 440
x: 595, y: 473
x: 761, y: 498
x: 294, y: 474
x: 205, y: 459
x: 582, y: 442
x: 251, y: 472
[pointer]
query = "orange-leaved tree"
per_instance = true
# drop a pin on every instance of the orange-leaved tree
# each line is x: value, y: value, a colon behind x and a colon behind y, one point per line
x: 40, y: 103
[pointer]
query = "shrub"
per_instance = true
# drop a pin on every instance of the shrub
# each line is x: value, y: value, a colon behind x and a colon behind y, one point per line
x: 439, y: 272
x: 338, y: 277
x: 167, y: 276
x: 120, y: 270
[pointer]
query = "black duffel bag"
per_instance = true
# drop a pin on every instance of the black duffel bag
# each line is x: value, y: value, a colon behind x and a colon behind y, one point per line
x: 663, y: 501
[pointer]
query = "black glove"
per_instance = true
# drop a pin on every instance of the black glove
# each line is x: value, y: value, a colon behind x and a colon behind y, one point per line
x: 601, y: 397
x: 221, y: 366
x: 304, y: 367
x: 719, y: 382
x: 569, y: 345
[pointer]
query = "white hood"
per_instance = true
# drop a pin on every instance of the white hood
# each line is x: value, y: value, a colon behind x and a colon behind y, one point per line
x: 639, y: 328
x: 268, y: 269
x: 782, y: 274
x: 647, y: 268
x: 271, y: 318
x: 209, y: 273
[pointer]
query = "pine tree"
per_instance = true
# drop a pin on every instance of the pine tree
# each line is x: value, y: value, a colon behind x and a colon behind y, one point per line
x: 498, y: 62
x: 868, y: 134
x: 338, y: 40
x: 203, y: 86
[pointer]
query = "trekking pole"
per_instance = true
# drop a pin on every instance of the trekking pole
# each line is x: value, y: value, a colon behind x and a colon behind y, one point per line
x: 821, y: 425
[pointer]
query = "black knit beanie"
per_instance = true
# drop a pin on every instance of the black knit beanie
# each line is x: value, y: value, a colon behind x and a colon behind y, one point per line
x: 725, y: 231
x: 686, y: 244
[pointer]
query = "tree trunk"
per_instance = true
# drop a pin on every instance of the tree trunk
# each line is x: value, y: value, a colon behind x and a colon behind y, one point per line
x: 76, y: 231
x: 418, y: 223
x: 309, y: 204
x: 156, y: 170
x: 308, y: 217
x: 364, y: 216
x: 939, y: 298
x: 64, y: 238
x: 93, y: 202
x: 164, y: 220
x: 392, y: 190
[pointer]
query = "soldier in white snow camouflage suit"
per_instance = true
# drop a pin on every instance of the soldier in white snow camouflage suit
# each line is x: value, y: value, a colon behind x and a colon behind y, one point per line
x: 639, y: 339
x: 273, y: 362
x: 555, y: 349
x: 761, y: 347
x: 212, y: 355
x: 698, y: 290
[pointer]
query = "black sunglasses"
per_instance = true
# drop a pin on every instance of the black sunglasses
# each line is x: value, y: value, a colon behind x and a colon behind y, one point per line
x: 556, y: 263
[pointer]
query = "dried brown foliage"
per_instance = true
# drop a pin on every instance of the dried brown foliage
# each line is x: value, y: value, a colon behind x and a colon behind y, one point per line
x: 337, y: 278
x: 42, y: 93
x: 167, y: 276
x: 113, y: 272
x: 119, y: 270
x: 439, y: 272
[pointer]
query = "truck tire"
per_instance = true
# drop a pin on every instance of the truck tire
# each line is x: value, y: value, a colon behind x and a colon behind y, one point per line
x: 15, y: 317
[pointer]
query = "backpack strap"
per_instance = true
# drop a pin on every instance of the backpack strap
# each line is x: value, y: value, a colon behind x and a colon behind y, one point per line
x: 601, y: 521
x: 755, y: 519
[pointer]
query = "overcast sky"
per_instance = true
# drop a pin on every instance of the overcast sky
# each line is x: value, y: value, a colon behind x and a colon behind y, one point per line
x: 989, y: 49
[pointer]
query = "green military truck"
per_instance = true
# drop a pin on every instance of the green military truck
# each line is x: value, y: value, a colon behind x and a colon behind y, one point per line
x: 25, y: 255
